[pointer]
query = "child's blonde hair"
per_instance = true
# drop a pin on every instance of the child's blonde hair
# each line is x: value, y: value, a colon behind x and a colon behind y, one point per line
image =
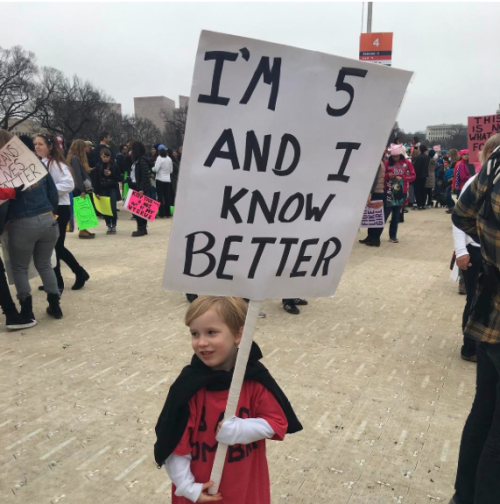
x: 231, y: 310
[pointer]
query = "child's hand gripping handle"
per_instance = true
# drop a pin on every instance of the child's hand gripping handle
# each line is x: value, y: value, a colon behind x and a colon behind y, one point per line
x: 234, y: 391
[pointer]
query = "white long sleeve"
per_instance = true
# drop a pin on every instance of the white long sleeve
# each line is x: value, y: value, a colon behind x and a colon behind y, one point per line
x: 244, y: 431
x: 62, y: 179
x: 460, y: 239
x: 178, y: 468
x: 163, y: 168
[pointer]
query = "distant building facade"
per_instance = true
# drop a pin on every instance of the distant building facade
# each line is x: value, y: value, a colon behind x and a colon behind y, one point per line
x: 440, y: 131
x: 150, y: 107
x: 183, y: 101
x: 27, y: 127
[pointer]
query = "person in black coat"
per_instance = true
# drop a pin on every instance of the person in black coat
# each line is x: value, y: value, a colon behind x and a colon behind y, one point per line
x: 421, y: 166
x: 139, y: 181
x: 107, y: 183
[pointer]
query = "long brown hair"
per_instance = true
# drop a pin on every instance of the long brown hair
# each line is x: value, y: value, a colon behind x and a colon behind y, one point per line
x: 78, y: 149
x: 5, y: 138
x: 55, y: 152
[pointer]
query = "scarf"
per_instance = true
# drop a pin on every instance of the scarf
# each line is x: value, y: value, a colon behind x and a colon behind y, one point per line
x: 175, y: 413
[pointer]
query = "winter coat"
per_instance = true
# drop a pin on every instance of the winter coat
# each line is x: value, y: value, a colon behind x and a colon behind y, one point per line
x: 378, y: 186
x: 422, y: 166
x: 430, y: 181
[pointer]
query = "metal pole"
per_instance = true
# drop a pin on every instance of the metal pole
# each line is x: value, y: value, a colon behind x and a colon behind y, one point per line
x: 370, y: 10
x: 362, y: 16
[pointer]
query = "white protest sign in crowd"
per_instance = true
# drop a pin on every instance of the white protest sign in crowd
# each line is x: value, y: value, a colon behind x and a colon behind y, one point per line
x: 18, y: 165
x: 281, y: 149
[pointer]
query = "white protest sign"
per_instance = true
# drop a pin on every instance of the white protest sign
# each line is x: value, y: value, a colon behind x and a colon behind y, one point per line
x: 373, y: 216
x: 18, y: 165
x: 281, y: 149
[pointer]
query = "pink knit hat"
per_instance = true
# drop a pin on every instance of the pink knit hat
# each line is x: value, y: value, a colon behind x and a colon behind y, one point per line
x: 463, y: 151
x: 396, y: 149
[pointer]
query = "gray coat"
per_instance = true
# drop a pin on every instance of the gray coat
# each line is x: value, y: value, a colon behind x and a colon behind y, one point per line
x: 430, y: 181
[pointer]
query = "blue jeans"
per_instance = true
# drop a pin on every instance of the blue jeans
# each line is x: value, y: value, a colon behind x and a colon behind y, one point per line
x: 33, y: 237
x: 478, y: 473
x: 112, y: 194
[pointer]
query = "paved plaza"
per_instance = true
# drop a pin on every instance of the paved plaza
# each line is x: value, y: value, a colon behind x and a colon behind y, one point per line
x: 374, y: 375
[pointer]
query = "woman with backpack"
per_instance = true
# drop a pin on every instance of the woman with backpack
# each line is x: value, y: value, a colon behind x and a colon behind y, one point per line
x: 139, y: 181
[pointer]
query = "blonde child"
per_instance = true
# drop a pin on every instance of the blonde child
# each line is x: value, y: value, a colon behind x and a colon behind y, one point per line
x: 191, y: 423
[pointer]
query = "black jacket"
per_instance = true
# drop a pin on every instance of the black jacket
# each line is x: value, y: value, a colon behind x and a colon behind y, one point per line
x: 143, y: 179
x: 103, y: 182
x: 421, y: 166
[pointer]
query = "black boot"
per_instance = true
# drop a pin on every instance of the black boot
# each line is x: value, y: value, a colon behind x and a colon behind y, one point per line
x: 401, y: 217
x: 81, y: 278
x: 366, y: 240
x: 140, y: 232
x: 27, y: 308
x: 54, y: 308
x: 374, y: 243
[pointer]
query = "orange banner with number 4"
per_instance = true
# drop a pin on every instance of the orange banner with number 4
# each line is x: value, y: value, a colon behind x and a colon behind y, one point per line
x: 376, y: 47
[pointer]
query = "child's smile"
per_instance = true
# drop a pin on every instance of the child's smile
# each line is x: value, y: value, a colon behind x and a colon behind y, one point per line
x: 213, y: 341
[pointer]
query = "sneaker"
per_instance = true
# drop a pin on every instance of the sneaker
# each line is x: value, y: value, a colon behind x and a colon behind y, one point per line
x: 461, y: 288
x: 300, y: 302
x: 109, y: 231
x: 393, y: 240
x: 14, y: 322
x: 261, y: 315
x: 113, y: 230
x: 291, y: 308
x: 449, y: 211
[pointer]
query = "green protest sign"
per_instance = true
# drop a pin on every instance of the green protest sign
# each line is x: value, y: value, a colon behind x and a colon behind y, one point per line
x: 84, y: 213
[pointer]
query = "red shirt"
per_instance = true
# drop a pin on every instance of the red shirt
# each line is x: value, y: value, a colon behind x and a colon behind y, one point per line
x: 245, y: 479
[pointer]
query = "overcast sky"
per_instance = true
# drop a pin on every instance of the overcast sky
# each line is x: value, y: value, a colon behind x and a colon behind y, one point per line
x: 146, y: 49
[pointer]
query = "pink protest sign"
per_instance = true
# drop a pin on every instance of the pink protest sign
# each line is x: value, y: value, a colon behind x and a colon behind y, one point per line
x: 142, y: 206
x: 437, y: 148
x: 479, y: 129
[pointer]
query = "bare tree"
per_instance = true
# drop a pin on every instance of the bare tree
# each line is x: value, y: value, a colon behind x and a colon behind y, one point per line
x: 76, y: 108
x: 140, y: 129
x: 175, y: 126
x: 22, y: 93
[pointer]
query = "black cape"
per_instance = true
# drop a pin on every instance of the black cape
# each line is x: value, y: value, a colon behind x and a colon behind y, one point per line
x: 175, y: 414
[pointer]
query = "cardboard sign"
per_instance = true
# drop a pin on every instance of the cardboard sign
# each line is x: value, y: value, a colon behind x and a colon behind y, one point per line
x: 373, y: 216
x: 277, y: 164
x: 479, y: 130
x: 18, y: 165
x: 376, y: 48
x: 103, y: 205
x: 84, y: 213
x: 437, y: 148
x: 143, y: 206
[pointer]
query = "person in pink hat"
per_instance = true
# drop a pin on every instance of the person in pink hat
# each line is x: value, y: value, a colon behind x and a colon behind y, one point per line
x: 461, y: 173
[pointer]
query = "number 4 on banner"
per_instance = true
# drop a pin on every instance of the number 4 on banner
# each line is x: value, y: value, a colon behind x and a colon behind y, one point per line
x: 376, y: 42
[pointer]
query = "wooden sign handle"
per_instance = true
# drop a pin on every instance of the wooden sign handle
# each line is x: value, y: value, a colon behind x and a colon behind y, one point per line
x: 234, y: 391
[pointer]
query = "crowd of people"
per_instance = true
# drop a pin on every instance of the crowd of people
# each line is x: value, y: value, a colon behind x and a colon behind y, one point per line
x: 36, y: 221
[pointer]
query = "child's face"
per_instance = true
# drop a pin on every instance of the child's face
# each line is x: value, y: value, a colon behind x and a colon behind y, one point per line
x: 213, y: 342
